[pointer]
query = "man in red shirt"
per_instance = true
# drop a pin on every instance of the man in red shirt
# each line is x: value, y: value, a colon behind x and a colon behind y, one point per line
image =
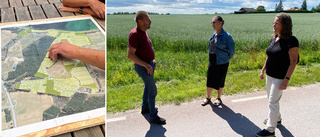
x: 140, y: 51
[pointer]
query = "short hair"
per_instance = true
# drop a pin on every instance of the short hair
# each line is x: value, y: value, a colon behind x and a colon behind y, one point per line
x: 286, y: 22
x: 219, y: 18
x: 140, y: 15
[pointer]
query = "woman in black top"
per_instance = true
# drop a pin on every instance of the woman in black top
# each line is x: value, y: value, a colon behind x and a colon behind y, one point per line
x: 282, y: 58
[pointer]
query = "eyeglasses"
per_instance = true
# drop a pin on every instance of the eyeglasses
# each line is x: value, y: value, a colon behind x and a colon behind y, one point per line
x: 213, y: 22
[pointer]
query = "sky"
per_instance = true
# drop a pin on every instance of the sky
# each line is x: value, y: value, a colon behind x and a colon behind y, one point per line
x: 199, y: 6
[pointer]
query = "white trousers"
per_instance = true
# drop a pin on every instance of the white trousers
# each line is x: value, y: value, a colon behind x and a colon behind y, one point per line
x: 274, y: 95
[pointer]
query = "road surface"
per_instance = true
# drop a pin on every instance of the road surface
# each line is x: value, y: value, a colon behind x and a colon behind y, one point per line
x: 240, y: 115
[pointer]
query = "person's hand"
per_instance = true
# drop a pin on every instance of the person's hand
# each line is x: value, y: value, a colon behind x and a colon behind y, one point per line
x: 149, y: 69
x: 65, y: 48
x: 284, y: 84
x: 155, y: 64
x: 262, y: 75
x: 99, y: 8
x: 68, y: 9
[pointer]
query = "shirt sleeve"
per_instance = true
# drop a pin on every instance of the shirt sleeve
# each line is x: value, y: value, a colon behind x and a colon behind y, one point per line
x: 294, y: 42
x: 133, y: 40
x: 231, y: 46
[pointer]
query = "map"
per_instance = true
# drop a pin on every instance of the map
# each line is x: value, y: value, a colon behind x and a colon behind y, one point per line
x: 36, y: 89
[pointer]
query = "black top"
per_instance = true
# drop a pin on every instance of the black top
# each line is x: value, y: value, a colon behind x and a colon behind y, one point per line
x: 278, y: 56
x: 103, y: 1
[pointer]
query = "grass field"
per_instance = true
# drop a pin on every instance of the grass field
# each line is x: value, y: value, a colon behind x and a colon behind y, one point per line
x: 181, y: 47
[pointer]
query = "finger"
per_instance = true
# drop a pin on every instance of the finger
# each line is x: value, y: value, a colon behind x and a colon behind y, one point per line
x: 51, y: 51
x: 150, y: 71
x: 282, y: 87
x: 53, y: 55
x: 54, y: 50
x: 101, y: 14
x: 52, y: 58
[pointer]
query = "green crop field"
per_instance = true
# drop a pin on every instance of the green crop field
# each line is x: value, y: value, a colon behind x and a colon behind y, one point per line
x: 181, y: 47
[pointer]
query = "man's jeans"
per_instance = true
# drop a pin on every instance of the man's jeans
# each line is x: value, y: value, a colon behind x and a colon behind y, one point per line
x: 274, y: 95
x: 150, y: 89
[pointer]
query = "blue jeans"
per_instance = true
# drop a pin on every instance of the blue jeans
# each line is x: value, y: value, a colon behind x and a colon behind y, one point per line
x: 150, y: 89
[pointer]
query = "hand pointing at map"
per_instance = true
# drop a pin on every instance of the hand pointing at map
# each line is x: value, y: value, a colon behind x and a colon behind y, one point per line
x: 64, y: 48
x: 89, y: 56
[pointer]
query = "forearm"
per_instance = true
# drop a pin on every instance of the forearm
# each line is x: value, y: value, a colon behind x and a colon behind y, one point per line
x: 76, y: 3
x: 137, y: 60
x: 285, y: 81
x: 290, y: 70
x: 264, y: 66
x: 89, y: 11
x: 92, y: 57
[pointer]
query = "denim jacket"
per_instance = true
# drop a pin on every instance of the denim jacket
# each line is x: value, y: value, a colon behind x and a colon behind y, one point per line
x: 225, y: 47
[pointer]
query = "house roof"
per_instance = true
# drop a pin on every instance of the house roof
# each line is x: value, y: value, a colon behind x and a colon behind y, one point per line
x: 246, y: 9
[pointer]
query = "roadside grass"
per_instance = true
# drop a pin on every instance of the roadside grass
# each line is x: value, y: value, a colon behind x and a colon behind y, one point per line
x: 176, y: 91
x: 181, y: 77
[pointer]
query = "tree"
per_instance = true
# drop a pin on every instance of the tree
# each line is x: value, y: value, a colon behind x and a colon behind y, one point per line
x: 318, y: 8
x: 304, y: 5
x: 261, y: 8
x: 280, y: 6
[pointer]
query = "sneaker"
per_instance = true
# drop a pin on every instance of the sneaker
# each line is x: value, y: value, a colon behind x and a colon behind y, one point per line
x: 265, y: 133
x: 146, y: 110
x: 278, y: 123
x: 158, y: 120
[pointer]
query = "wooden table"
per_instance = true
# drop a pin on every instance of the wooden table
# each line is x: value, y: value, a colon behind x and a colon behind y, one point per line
x: 27, y: 10
x: 88, y: 128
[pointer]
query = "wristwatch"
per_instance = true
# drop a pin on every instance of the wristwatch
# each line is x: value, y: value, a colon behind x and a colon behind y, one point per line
x: 287, y: 78
x: 81, y: 10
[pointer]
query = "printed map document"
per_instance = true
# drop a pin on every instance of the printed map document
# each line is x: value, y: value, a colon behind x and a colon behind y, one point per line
x: 38, y: 93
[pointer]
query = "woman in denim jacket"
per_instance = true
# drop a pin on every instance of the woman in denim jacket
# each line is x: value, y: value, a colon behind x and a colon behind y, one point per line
x: 221, y: 50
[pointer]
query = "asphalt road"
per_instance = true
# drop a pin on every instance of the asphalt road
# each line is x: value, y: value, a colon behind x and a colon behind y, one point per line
x: 240, y: 115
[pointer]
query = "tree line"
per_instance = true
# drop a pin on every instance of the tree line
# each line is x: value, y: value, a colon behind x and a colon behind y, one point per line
x: 279, y: 7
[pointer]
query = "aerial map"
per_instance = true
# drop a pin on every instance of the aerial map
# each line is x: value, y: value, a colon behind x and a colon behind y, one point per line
x: 36, y: 89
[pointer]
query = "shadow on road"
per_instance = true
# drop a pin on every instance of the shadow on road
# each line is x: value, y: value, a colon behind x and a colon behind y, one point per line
x: 239, y: 123
x: 155, y: 130
x: 284, y: 131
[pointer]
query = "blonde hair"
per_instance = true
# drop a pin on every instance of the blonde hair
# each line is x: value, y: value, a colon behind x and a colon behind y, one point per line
x: 140, y: 15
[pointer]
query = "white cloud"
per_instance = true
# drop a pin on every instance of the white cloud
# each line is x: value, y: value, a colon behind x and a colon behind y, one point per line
x: 201, y: 1
x: 254, y: 4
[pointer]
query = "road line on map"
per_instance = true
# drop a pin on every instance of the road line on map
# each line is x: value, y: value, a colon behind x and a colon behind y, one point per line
x: 116, y: 119
x: 248, y: 99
